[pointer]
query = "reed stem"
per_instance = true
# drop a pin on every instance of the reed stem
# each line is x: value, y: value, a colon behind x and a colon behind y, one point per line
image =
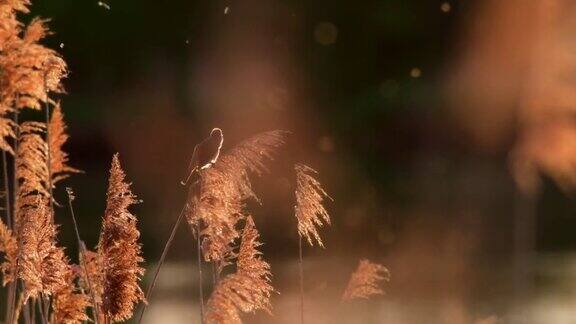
x: 18, y: 309
x: 200, y: 288
x: 161, y: 262
x: 11, y: 295
x: 49, y: 158
x: 43, y: 310
x: 301, y: 271
x: 14, y: 285
x: 82, y: 249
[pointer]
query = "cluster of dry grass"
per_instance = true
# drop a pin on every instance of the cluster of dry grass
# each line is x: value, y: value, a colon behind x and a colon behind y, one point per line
x: 217, y: 213
x: 41, y: 281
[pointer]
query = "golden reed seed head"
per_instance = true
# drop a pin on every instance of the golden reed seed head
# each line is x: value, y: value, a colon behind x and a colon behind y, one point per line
x: 119, y: 249
x: 31, y: 166
x: 30, y: 71
x: 57, y: 137
x: 42, y: 265
x: 70, y: 303
x: 309, y: 209
x: 365, y: 281
x: 93, y: 274
x: 247, y: 290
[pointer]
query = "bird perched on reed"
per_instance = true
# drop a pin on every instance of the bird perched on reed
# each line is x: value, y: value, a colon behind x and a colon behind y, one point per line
x: 205, y: 153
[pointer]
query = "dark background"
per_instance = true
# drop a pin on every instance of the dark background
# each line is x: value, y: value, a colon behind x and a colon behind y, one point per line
x: 134, y: 88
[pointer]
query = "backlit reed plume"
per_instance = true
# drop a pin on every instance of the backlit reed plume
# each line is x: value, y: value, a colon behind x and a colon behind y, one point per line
x: 70, y: 303
x: 217, y: 203
x: 57, y: 137
x: 42, y: 265
x: 32, y: 156
x: 92, y: 275
x: 247, y: 290
x: 10, y: 29
x: 31, y: 165
x: 309, y: 210
x: 9, y: 249
x: 365, y: 281
x: 119, y: 249
x: 29, y: 70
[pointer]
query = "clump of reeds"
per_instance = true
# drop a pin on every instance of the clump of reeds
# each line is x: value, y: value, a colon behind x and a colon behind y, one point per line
x: 366, y: 280
x: 34, y: 266
x: 216, y: 202
x: 104, y: 286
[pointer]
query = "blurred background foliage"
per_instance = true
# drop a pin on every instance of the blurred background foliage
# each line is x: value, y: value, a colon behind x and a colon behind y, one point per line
x: 342, y: 79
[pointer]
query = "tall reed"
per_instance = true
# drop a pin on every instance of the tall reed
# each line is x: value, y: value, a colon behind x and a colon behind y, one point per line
x: 310, y: 214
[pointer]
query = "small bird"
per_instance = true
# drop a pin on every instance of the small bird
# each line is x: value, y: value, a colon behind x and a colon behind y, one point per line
x: 205, y: 153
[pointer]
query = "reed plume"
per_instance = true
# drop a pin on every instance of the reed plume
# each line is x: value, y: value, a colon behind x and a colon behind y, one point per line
x: 119, y: 249
x: 42, y: 265
x: 57, y: 137
x: 70, y: 303
x: 31, y: 165
x: 217, y: 201
x: 309, y: 210
x: 247, y: 290
x: 30, y: 70
x: 10, y: 29
x: 9, y: 248
x: 365, y: 281
x: 92, y: 277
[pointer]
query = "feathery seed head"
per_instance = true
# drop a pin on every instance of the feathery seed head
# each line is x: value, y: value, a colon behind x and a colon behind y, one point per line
x: 119, y: 249
x: 216, y: 203
x: 247, y: 290
x: 365, y: 280
x: 309, y: 210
